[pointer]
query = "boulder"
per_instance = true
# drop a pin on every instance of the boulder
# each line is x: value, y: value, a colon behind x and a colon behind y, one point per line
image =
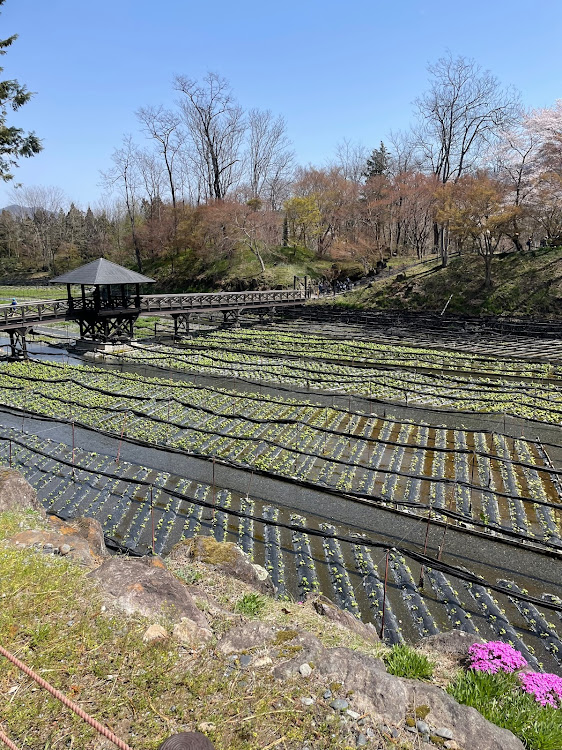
x: 138, y: 587
x: 189, y: 633
x: 469, y: 728
x: 246, y: 637
x: 374, y: 690
x: 225, y: 557
x: 16, y: 493
x: 341, y: 617
x: 81, y: 539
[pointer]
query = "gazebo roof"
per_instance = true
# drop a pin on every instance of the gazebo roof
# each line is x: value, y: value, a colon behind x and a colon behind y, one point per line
x: 101, y: 271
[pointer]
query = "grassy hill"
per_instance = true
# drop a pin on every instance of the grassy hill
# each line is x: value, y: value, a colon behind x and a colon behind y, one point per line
x: 241, y: 269
x: 526, y: 284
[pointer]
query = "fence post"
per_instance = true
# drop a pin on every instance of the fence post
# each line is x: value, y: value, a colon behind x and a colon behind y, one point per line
x: 384, y: 594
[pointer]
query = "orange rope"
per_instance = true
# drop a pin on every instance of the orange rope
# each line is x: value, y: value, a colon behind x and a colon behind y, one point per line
x: 7, y: 741
x: 65, y: 701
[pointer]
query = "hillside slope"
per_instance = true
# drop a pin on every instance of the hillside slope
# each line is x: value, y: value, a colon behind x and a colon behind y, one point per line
x: 527, y: 284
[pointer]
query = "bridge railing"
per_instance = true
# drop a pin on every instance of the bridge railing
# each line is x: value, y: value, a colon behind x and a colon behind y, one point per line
x: 221, y: 300
x: 32, y: 312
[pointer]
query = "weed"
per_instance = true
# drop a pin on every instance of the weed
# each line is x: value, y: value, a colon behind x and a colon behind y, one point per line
x: 189, y: 576
x: 404, y: 661
x: 251, y: 605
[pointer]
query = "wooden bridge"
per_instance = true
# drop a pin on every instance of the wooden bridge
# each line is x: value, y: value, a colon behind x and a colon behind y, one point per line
x: 106, y: 309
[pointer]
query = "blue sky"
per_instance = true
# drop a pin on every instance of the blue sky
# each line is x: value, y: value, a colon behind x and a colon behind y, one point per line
x: 334, y: 69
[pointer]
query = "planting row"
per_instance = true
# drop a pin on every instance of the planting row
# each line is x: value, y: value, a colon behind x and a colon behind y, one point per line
x: 495, y: 482
x: 536, y: 399
x: 145, y: 509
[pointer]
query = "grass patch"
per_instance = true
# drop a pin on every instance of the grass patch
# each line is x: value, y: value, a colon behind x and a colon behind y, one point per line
x: 404, y: 661
x: 51, y: 617
x: 251, y: 605
x: 499, y: 699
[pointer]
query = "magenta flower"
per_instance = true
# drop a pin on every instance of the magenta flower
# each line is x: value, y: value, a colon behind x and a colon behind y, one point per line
x: 547, y: 688
x: 495, y: 656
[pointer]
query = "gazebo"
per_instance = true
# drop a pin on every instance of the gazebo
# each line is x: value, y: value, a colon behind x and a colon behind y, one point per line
x: 109, y: 312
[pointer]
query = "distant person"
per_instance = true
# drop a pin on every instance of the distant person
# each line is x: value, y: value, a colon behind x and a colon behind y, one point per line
x: 187, y: 741
x: 14, y: 302
x: 529, y: 243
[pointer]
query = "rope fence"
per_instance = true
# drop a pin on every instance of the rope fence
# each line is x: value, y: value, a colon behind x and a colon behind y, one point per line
x: 64, y: 700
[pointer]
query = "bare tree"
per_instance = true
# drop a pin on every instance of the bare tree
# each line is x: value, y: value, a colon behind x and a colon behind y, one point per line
x: 45, y: 206
x: 350, y: 159
x: 460, y: 114
x: 216, y: 128
x: 514, y: 156
x: 125, y: 175
x: 269, y: 158
x: 164, y: 127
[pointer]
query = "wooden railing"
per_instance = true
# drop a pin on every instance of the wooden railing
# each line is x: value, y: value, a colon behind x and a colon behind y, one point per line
x: 33, y: 312
x: 221, y: 300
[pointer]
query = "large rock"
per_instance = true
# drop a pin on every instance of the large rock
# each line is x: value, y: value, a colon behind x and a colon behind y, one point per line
x: 246, y: 637
x: 390, y: 699
x: 345, y: 620
x: 470, y: 729
x: 225, y: 557
x: 374, y: 690
x: 81, y: 539
x: 16, y: 493
x: 136, y: 586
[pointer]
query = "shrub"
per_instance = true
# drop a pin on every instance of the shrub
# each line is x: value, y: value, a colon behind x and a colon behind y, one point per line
x: 404, y: 661
x: 499, y: 699
x: 251, y: 605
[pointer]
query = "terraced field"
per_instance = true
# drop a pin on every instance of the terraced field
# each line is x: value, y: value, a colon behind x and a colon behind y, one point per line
x: 145, y: 509
x: 331, y: 472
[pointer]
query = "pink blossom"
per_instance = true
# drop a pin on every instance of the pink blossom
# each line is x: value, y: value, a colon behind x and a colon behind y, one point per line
x: 495, y: 656
x: 546, y: 687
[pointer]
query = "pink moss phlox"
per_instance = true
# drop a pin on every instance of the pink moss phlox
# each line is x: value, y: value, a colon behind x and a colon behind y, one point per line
x: 546, y: 687
x: 495, y: 656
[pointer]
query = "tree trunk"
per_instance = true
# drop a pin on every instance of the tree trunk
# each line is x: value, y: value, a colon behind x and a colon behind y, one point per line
x: 488, y: 264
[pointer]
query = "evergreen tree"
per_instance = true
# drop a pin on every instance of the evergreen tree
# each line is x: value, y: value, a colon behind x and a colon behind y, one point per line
x: 377, y: 163
x: 14, y: 143
x: 285, y: 231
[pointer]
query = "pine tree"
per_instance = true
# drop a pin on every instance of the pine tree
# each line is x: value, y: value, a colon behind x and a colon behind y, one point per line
x: 285, y: 232
x: 14, y: 143
x: 377, y: 163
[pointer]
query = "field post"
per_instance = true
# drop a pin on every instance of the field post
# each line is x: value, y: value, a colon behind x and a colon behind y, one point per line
x: 24, y: 408
x: 121, y: 438
x: 420, y: 584
x: 10, y: 453
x: 152, y: 517
x: 443, y: 539
x: 384, y: 594
x: 214, y: 490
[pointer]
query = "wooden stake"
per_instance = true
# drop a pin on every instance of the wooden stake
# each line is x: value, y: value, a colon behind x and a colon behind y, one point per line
x: 73, y: 446
x: 420, y: 583
x: 443, y: 540
x: 152, y: 517
x: 384, y: 594
x: 214, y: 491
x: 121, y: 438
